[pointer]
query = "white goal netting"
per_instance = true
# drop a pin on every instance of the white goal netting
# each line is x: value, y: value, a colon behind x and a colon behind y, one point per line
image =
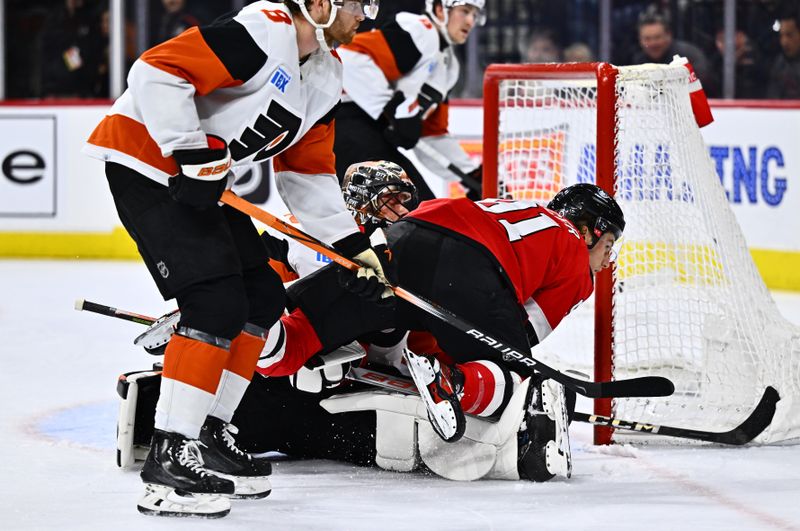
x: 688, y: 302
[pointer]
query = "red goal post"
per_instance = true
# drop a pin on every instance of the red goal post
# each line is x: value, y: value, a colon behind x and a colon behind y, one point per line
x: 605, y: 74
x: 684, y: 299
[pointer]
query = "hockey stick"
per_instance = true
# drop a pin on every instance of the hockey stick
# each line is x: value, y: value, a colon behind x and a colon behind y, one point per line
x: 749, y: 429
x: 431, y: 152
x: 519, y: 358
x: 109, y: 311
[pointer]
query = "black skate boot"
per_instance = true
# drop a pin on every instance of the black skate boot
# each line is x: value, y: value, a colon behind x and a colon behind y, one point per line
x: 225, y: 459
x: 440, y: 387
x: 176, y: 484
x: 543, y: 438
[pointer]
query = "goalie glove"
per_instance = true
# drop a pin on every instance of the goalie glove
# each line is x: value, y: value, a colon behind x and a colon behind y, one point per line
x: 204, y: 174
x: 370, y: 281
x: 326, y: 371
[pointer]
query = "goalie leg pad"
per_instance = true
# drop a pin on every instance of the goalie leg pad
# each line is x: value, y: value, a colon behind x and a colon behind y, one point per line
x: 487, y: 449
x: 139, y: 393
x: 395, y: 431
x: 396, y: 441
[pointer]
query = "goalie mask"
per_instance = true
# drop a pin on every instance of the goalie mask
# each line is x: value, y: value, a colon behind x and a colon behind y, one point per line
x: 589, y: 205
x: 367, y: 8
x: 447, y: 5
x: 378, y: 193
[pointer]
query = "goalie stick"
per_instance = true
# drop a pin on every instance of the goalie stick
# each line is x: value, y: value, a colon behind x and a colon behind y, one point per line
x: 519, y: 358
x: 758, y: 420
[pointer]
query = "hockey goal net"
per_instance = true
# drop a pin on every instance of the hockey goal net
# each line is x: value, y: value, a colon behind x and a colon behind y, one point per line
x: 684, y: 299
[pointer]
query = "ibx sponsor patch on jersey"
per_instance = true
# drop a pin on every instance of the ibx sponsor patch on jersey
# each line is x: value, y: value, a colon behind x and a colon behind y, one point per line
x: 280, y: 79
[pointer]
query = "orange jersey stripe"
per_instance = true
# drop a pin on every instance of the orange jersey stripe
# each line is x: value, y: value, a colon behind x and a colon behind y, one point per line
x: 436, y: 123
x: 373, y: 44
x: 126, y: 135
x: 194, y: 363
x: 245, y: 351
x: 188, y: 57
x: 286, y: 274
x: 312, y: 154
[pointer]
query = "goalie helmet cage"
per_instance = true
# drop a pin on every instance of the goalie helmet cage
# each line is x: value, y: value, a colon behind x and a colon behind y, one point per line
x: 684, y: 299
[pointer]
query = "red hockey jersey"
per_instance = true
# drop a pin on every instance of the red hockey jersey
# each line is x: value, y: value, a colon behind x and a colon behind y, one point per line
x: 543, y: 254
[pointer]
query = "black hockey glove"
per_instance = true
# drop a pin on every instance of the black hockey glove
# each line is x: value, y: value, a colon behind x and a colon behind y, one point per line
x: 203, y: 174
x: 401, y: 132
x: 474, y: 183
x: 370, y: 281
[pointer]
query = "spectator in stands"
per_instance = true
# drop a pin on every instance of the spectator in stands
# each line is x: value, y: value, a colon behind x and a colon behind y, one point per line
x: 750, y: 68
x: 541, y: 46
x: 578, y: 52
x: 658, y: 46
x: 784, y: 78
x: 99, y: 78
x: 67, y: 51
x: 176, y: 20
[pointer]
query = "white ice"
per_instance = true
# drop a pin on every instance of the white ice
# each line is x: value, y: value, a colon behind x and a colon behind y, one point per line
x: 58, y: 370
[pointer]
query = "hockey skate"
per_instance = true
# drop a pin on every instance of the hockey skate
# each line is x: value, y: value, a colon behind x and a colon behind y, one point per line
x: 543, y: 440
x: 224, y: 459
x: 176, y: 484
x: 439, y: 387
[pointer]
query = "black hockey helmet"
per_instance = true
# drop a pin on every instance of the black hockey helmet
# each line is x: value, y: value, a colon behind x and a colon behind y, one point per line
x: 588, y: 204
x: 369, y: 186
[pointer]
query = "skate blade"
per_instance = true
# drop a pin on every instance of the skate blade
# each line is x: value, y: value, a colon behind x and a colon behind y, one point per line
x: 159, y: 500
x: 247, y: 487
x: 446, y: 418
x: 558, y: 453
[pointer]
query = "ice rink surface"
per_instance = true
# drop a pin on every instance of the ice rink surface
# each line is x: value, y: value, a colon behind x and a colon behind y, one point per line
x: 58, y: 372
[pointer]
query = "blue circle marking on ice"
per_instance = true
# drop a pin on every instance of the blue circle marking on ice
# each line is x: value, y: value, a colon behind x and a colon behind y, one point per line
x: 87, y: 425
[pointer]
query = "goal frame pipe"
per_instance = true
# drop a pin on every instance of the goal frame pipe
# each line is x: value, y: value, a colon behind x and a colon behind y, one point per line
x: 606, y: 148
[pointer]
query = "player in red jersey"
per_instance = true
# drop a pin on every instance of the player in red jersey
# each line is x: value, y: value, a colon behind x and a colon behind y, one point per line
x: 513, y: 268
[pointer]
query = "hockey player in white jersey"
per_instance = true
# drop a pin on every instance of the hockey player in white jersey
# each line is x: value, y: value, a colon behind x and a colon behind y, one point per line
x: 259, y: 84
x: 397, y: 81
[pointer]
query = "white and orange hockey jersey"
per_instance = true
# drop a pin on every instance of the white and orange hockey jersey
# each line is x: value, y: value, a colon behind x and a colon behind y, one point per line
x: 407, y: 54
x: 240, y: 79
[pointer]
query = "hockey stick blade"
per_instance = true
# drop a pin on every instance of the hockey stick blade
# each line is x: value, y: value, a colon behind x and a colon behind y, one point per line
x: 108, y: 311
x: 521, y: 359
x: 752, y: 427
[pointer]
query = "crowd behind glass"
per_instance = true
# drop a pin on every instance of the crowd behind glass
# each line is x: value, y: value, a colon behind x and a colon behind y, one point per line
x: 59, y: 48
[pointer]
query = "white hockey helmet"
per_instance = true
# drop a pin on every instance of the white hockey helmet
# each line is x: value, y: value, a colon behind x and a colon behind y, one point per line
x: 369, y: 8
x: 447, y: 5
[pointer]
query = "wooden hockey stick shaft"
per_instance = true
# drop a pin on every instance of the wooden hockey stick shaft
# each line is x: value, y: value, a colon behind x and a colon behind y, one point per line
x: 519, y: 358
x: 102, y: 309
